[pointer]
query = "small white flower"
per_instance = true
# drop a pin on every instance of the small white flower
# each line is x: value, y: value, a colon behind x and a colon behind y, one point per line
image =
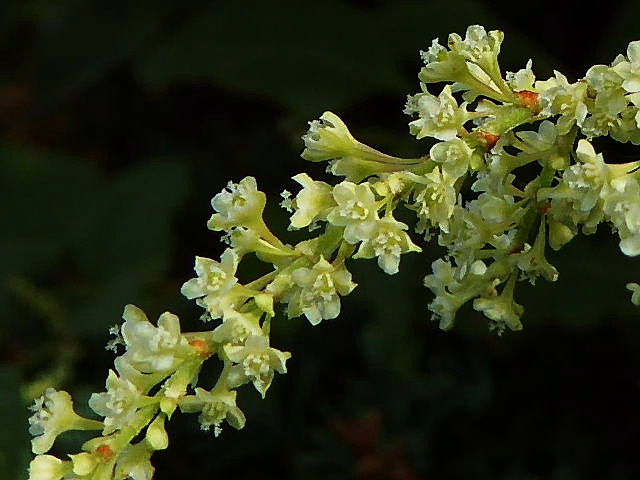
x: 439, y: 117
x: 236, y: 327
x: 523, y: 79
x: 356, y: 210
x: 501, y: 309
x: 320, y: 287
x: 477, y: 46
x: 215, y: 406
x: 133, y: 462
x: 53, y: 415
x: 630, y: 70
x: 455, y: 156
x: 435, y: 199
x: 152, y: 349
x: 622, y: 208
x: 256, y: 362
x: 328, y: 138
x: 560, y: 97
x: 118, y: 404
x: 312, y: 203
x: 215, y: 279
x: 387, y: 243
x: 239, y: 205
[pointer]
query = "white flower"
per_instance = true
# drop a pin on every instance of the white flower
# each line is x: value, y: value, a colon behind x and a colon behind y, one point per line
x: 439, y: 117
x: 118, y: 404
x: 312, y: 203
x: 236, y: 327
x: 477, y: 46
x: 523, y: 79
x: 501, y: 309
x: 455, y: 156
x: 568, y: 100
x: 215, y: 406
x: 544, y: 139
x: 134, y: 462
x: 256, y: 362
x: 356, y: 210
x: 433, y: 53
x: 214, y: 281
x: 48, y: 467
x: 577, y: 199
x: 387, y: 243
x: 435, y: 199
x: 53, y: 415
x: 240, y: 205
x: 630, y: 70
x: 622, y: 208
x: 152, y: 349
x: 533, y: 262
x: 320, y: 287
x: 328, y: 138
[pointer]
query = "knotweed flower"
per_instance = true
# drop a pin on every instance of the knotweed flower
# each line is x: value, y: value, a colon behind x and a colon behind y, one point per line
x: 53, y: 415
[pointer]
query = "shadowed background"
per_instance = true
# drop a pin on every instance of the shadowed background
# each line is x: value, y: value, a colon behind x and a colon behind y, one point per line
x: 120, y: 120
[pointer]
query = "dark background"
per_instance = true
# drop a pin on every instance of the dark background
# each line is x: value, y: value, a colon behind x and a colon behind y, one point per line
x: 120, y: 120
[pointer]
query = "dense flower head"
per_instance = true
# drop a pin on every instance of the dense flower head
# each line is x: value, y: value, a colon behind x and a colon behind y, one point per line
x: 512, y: 172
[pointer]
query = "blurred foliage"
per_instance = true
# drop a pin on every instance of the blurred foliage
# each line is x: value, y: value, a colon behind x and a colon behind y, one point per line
x: 119, y: 122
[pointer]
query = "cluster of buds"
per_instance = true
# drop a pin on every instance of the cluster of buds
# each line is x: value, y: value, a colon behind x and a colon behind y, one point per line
x: 465, y: 193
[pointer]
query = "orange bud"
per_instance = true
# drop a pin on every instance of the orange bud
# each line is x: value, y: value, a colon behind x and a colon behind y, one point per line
x: 201, y: 347
x: 490, y: 138
x: 531, y: 100
x: 544, y: 208
x: 105, y: 452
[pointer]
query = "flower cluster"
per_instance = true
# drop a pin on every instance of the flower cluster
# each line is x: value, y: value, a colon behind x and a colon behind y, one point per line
x: 467, y: 194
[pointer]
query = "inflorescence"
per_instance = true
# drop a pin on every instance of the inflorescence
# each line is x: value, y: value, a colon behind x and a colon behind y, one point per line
x: 487, y: 127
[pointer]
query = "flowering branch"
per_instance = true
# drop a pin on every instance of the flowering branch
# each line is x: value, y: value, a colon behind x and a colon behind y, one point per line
x: 462, y: 194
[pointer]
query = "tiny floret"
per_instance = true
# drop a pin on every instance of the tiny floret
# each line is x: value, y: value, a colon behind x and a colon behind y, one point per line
x: 319, y: 292
x: 118, y: 404
x: 256, y: 362
x: 239, y: 205
x: 439, y: 117
x: 216, y: 406
x: 388, y: 241
x: 356, y: 210
x: 152, y: 348
x: 53, y: 414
